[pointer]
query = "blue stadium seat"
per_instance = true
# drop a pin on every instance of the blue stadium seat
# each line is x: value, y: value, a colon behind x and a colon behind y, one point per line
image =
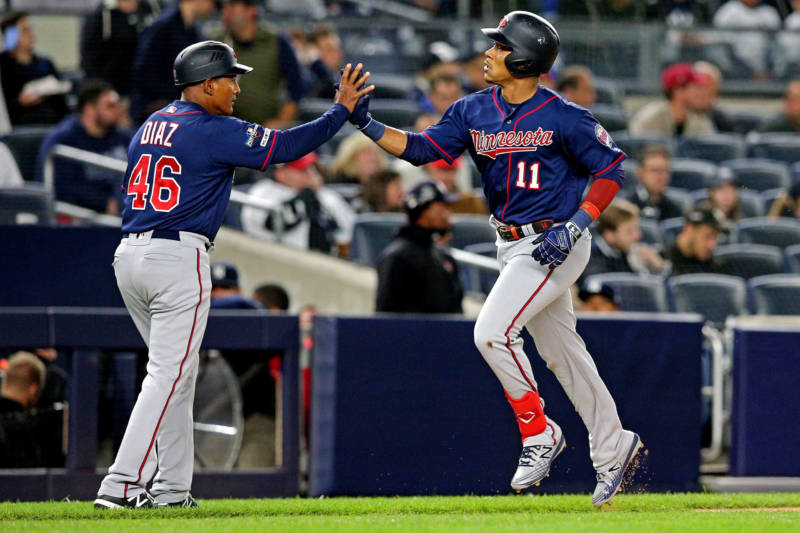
x: 30, y: 204
x: 670, y: 229
x: 714, y: 296
x: 635, y: 145
x: 24, y: 143
x: 794, y: 170
x: 759, y: 174
x: 478, y: 279
x: 751, y: 203
x: 748, y: 260
x: 777, y: 294
x: 692, y: 174
x: 746, y: 121
x: 792, y: 254
x: 651, y: 232
x: 612, y: 117
x: 716, y: 148
x: 471, y: 229
x: 779, y: 146
x: 636, y: 292
x: 372, y: 233
x: 781, y: 232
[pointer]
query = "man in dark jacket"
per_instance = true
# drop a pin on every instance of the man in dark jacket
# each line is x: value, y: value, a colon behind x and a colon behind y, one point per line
x: 695, y: 244
x: 415, y: 274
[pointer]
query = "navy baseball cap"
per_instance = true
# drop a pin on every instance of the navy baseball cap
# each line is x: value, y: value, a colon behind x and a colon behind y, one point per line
x: 595, y: 287
x: 224, y: 275
x: 705, y: 217
x: 424, y: 194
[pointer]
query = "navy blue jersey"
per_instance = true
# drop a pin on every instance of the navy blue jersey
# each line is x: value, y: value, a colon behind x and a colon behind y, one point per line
x: 535, y: 158
x: 182, y: 159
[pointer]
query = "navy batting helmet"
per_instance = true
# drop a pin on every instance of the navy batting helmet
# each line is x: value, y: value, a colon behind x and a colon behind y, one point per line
x: 533, y: 41
x: 204, y: 60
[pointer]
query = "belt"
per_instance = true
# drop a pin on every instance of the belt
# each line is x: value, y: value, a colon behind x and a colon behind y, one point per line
x: 515, y: 233
x: 171, y: 235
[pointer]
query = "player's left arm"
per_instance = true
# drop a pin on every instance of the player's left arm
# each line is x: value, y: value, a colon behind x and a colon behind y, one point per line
x: 592, y: 146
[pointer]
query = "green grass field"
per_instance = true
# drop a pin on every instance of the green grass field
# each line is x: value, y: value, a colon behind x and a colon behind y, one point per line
x: 707, y: 513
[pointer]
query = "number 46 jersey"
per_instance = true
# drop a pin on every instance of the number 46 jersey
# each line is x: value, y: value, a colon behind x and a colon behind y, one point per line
x: 535, y: 157
x: 180, y: 168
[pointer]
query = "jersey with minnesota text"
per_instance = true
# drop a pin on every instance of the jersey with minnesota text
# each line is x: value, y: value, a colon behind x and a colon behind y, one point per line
x: 181, y: 164
x: 535, y: 157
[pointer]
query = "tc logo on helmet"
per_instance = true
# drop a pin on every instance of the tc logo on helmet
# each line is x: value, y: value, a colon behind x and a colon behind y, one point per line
x: 503, y: 23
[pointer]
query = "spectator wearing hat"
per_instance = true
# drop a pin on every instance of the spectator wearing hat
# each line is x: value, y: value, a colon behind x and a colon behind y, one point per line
x: 415, y: 274
x: 31, y: 88
x: 225, y: 290
x: 598, y: 298
x: 357, y: 158
x: 653, y: 175
x: 695, y: 244
x: 446, y: 174
x: 723, y: 195
x: 674, y: 116
x: 305, y: 214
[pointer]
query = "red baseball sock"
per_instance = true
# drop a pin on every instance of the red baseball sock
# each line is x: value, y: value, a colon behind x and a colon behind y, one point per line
x: 529, y: 413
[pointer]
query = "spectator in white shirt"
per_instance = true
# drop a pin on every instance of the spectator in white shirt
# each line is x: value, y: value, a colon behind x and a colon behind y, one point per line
x: 750, y: 48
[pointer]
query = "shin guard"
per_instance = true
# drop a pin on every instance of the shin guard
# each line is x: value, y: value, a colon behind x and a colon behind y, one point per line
x: 529, y: 413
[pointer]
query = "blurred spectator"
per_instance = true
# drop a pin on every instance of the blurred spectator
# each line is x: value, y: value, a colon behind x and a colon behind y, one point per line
x: 324, y: 56
x: 445, y: 90
x: 787, y: 204
x: 383, y: 192
x: 94, y: 128
x: 23, y: 380
x: 416, y: 275
x: 680, y: 13
x: 225, y: 290
x: 445, y: 174
x: 674, y: 116
x: 787, y: 121
x: 306, y: 214
x: 10, y: 175
x: 653, y: 176
x: 576, y: 84
x: 788, y: 57
x: 616, y: 247
x: 276, y: 70
x: 272, y: 297
x: 723, y: 195
x: 704, y: 96
x: 695, y: 244
x: 597, y: 297
x: 357, y: 158
x: 31, y: 88
x: 108, y: 40
x: 472, y: 67
x: 750, y: 48
x: 152, y: 81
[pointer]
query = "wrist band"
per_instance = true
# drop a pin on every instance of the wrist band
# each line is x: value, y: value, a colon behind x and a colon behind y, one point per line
x: 374, y: 129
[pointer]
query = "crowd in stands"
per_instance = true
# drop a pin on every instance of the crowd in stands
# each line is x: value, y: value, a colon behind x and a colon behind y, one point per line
x: 127, y: 48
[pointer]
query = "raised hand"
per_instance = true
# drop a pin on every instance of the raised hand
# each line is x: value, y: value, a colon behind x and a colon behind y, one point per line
x: 351, y: 87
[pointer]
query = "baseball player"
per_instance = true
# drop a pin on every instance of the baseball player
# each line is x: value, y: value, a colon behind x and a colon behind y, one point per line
x: 536, y: 153
x: 180, y: 171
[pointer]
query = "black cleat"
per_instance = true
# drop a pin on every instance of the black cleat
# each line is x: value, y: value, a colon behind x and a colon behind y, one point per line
x: 143, y: 500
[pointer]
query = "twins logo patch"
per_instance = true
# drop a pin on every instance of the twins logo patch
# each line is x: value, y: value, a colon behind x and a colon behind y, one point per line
x: 603, y: 136
x: 171, y: 109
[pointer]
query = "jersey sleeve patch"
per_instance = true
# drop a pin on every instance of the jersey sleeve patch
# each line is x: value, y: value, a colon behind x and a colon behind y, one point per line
x: 604, y: 138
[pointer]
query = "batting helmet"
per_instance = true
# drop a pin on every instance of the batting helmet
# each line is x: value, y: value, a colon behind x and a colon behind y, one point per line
x: 204, y: 60
x: 533, y: 41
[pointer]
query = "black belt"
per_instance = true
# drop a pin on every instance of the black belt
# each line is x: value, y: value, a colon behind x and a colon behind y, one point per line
x: 169, y: 234
x: 515, y: 233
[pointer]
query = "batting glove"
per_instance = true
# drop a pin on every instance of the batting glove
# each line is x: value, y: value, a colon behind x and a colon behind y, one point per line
x: 360, y: 116
x: 555, y: 243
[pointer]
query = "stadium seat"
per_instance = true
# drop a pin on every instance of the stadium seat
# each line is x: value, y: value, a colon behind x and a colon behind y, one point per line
x: 792, y: 254
x: 716, y: 148
x: 781, y: 232
x: 715, y: 296
x: 372, y: 233
x: 636, y: 292
x: 670, y: 229
x: 794, y: 171
x: 395, y: 113
x: 778, y: 294
x: 24, y: 143
x: 630, y: 166
x: 31, y: 204
x: 682, y: 197
x: 391, y: 86
x: 612, y: 117
x: 478, y: 279
x: 651, y: 232
x: 748, y: 260
x: 745, y: 121
x: 751, y: 203
x: 635, y: 145
x: 768, y: 198
x: 692, y: 174
x: 759, y: 174
x: 779, y: 146
x: 471, y: 229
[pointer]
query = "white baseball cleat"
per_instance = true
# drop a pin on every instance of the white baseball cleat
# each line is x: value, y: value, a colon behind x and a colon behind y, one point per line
x: 538, y: 453
x: 609, y: 481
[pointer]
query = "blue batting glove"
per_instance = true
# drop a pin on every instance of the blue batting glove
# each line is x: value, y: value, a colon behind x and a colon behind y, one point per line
x: 360, y: 116
x: 555, y: 243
